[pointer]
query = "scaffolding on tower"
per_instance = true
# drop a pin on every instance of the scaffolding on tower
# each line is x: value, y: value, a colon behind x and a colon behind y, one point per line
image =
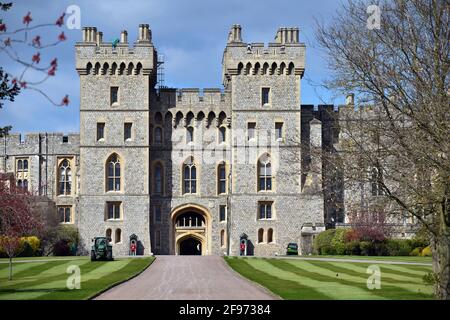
x: 160, y: 72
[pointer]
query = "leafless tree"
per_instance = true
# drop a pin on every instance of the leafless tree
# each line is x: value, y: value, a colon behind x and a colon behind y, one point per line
x: 399, y: 138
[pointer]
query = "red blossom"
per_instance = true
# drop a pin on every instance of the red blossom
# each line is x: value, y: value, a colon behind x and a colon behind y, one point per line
x: 62, y: 37
x: 65, y: 101
x: 23, y: 84
x: 54, y: 63
x: 36, y: 58
x: 52, y: 71
x: 27, y: 19
x: 2, y: 27
x: 14, y: 81
x: 7, y: 42
x: 60, y: 20
x: 37, y: 41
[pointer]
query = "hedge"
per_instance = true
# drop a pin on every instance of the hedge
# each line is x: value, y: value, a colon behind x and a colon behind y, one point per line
x: 340, y: 242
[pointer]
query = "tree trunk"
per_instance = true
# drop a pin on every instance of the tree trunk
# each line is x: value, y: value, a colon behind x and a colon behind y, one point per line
x: 441, y: 264
x: 10, y: 268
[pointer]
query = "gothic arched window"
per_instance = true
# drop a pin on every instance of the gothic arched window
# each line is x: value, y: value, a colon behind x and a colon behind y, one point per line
x: 113, y: 173
x: 65, y: 178
x: 189, y: 176
x: 264, y: 174
x: 221, y: 179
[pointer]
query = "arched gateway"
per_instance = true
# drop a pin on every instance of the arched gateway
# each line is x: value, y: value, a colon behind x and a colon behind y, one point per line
x: 191, y: 225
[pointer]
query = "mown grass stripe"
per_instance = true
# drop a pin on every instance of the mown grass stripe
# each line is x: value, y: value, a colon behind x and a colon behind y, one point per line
x: 100, y: 284
x: 327, y: 285
x: 23, y: 283
x: 285, y: 288
x: 341, y: 287
x: 361, y: 272
x: 412, y: 271
x: 398, y: 291
x: 37, y: 268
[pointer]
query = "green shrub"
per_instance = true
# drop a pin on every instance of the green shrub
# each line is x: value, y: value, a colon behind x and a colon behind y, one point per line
x: 398, y: 247
x: 30, y: 246
x: 322, y: 242
x: 416, y: 252
x: 380, y: 248
x: 352, y: 248
x: 426, y: 252
x: 338, y: 241
x: 366, y: 248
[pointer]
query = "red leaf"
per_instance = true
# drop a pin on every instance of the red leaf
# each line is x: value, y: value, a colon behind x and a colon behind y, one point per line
x: 27, y: 19
x: 23, y: 84
x: 7, y: 42
x: 54, y: 63
x: 62, y: 37
x: 60, y: 20
x: 52, y: 71
x: 65, y: 101
x: 36, y: 58
x: 2, y: 27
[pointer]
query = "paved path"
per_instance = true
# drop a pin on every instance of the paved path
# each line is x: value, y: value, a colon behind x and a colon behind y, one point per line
x: 188, y: 278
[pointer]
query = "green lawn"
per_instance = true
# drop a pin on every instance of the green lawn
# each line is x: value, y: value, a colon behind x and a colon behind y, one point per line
x: 47, y: 280
x: 300, y: 279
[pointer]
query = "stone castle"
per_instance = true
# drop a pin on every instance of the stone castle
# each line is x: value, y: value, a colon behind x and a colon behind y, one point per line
x: 187, y: 171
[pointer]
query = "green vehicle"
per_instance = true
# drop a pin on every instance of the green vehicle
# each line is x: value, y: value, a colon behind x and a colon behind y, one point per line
x: 101, y: 250
x: 292, y: 249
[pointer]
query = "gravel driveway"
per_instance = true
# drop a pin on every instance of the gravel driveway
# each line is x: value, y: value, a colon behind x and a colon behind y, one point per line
x: 188, y: 278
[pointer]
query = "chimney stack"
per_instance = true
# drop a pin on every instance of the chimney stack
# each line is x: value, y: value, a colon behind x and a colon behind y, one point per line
x: 144, y: 33
x: 99, y: 38
x: 124, y: 36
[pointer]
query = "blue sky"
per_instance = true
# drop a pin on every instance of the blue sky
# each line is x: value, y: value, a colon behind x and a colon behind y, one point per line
x: 190, y: 34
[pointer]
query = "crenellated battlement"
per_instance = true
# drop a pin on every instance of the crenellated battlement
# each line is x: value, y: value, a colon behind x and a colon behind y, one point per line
x: 285, y: 56
x: 94, y: 56
x: 186, y: 98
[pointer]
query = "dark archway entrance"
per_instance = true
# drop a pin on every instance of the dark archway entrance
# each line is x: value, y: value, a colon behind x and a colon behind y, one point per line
x: 190, y: 246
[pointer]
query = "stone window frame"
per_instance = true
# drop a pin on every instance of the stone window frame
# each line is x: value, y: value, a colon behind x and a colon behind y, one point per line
x: 120, y: 204
x: 222, y: 136
x: 266, y: 177
x: 121, y: 163
x: 269, y: 96
x: 272, y: 210
x: 192, y: 164
x: 260, y: 235
x: 282, y: 138
x: 118, y: 236
x: 270, y: 235
x: 225, y: 213
x: 254, y: 130
x: 59, y: 164
x: 190, y: 134
x: 222, y: 164
x: 111, y: 102
x: 131, y: 128
x: 100, y: 125
x: 65, y: 208
x: 20, y: 164
x: 223, y: 238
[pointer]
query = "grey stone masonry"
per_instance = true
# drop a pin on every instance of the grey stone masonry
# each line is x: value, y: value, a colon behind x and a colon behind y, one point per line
x: 188, y: 171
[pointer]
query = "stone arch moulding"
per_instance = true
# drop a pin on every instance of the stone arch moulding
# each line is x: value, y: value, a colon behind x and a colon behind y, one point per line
x: 206, y: 238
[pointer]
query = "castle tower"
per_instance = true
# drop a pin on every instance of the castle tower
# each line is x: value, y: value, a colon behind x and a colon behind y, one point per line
x: 116, y: 82
x: 265, y: 89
